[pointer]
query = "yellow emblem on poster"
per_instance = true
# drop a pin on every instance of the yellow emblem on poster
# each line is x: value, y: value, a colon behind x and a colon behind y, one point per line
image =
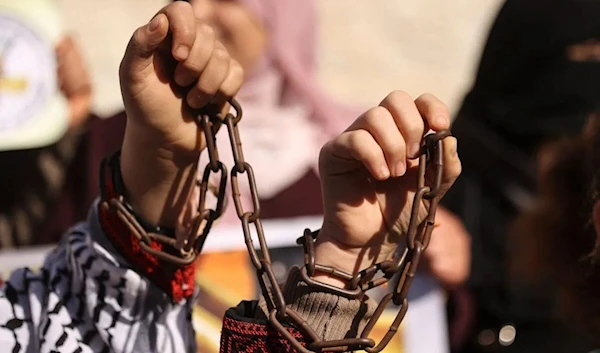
x: 33, y: 113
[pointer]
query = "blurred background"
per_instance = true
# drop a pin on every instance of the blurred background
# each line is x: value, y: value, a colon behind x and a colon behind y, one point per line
x: 365, y: 48
x: 535, y: 82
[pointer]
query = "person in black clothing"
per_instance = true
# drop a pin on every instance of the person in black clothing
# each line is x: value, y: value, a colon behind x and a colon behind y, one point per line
x: 537, y: 82
x: 562, y: 230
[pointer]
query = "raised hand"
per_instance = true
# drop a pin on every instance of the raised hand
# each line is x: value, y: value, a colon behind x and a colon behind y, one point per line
x: 173, y: 66
x: 369, y: 178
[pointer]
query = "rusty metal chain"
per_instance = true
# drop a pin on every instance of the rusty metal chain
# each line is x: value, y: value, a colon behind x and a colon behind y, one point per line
x: 404, y: 263
x: 183, y: 252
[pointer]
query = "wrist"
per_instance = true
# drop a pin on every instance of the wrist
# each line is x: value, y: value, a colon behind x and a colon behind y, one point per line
x: 331, y: 252
x: 141, y: 243
x: 158, y: 180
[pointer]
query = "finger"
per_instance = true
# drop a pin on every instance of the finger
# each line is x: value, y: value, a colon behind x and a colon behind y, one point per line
x: 407, y: 118
x: 360, y: 145
x: 72, y: 75
x: 232, y: 84
x: 188, y: 71
x: 452, y: 166
x: 65, y: 51
x: 139, y: 53
x: 211, y: 79
x: 64, y: 44
x: 70, y: 60
x: 380, y: 123
x: 182, y: 26
x: 434, y: 111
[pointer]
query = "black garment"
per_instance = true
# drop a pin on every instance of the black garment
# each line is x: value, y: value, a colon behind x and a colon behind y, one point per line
x: 487, y: 197
x: 527, y: 92
x: 526, y: 88
x: 46, y: 190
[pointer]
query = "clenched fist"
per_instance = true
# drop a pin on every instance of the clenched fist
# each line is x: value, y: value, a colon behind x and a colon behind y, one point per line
x: 173, y: 67
x: 369, y: 178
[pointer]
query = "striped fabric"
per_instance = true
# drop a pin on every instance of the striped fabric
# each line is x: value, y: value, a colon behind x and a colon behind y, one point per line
x: 86, y: 299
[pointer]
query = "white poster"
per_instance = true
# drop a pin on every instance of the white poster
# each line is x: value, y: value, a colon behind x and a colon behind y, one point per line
x: 33, y: 113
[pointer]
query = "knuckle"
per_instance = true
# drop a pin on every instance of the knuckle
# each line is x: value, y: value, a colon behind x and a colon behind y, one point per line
x: 396, y: 148
x: 356, y: 138
x: 186, y: 34
x: 367, y: 155
x: 221, y: 54
x: 234, y: 81
x: 431, y: 102
x: 375, y: 114
x: 138, y: 37
x: 236, y: 71
x: 206, y: 88
x: 357, y: 144
x: 192, y: 66
x: 427, y: 97
x: 205, y: 31
x: 414, y: 129
x: 325, y: 152
x: 398, y: 96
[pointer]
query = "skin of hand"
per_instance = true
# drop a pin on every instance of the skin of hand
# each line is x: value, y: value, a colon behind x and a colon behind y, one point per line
x: 74, y: 81
x: 173, y: 66
x: 448, y: 257
x: 369, y: 178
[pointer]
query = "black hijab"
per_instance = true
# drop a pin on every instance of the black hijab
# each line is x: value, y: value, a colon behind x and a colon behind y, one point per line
x: 527, y: 89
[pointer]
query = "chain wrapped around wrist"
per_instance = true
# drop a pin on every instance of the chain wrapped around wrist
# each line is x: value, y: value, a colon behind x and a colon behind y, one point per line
x: 404, y: 263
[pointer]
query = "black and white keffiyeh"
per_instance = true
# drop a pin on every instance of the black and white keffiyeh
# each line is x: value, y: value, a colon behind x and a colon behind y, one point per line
x: 85, y: 298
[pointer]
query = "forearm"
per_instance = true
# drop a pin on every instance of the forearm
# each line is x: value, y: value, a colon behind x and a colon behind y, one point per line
x: 158, y: 182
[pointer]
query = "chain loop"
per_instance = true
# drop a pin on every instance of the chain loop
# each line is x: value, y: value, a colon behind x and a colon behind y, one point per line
x: 237, y: 195
x: 405, y: 262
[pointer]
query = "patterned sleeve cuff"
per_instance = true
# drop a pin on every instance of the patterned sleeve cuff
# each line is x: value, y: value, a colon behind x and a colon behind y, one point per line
x: 331, y: 316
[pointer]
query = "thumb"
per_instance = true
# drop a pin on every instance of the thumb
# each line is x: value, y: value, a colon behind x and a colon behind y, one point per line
x: 452, y: 166
x: 140, y: 50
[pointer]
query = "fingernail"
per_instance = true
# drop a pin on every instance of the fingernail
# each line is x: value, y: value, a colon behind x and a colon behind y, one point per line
x: 414, y: 149
x: 182, y: 52
x: 385, y: 172
x: 400, y: 169
x: 153, y: 25
x: 441, y: 120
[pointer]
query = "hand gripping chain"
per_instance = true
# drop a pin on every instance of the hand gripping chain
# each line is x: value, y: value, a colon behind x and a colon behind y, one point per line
x: 404, y: 263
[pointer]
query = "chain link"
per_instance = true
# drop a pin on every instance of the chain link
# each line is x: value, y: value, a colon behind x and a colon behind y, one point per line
x: 404, y: 263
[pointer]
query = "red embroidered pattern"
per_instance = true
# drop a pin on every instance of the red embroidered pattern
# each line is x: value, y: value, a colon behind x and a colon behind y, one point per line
x: 251, y: 337
x: 175, y: 281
